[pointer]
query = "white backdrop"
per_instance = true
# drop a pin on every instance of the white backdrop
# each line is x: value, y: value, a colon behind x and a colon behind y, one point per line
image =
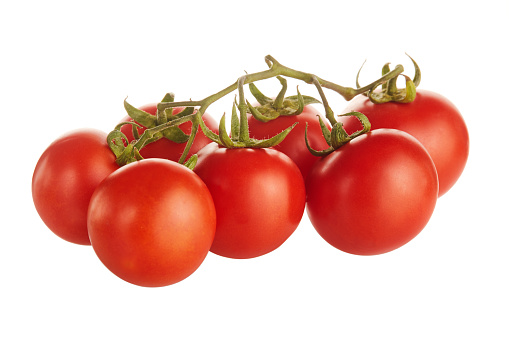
x: 66, y: 65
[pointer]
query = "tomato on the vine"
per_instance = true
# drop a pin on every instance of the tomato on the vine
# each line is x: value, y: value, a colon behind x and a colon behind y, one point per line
x: 294, y: 144
x: 373, y: 194
x: 432, y: 119
x: 259, y: 196
x: 152, y: 222
x: 167, y: 149
x: 64, y: 179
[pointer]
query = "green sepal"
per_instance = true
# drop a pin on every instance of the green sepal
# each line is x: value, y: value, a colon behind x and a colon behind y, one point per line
x: 259, y: 96
x: 235, y: 124
x: 143, y: 118
x: 300, y: 101
x: 314, y: 152
x: 259, y: 116
x: 175, y: 134
x: 307, y: 100
x: 135, y: 126
x: 208, y: 133
x: 116, y: 141
x: 271, y: 142
x: 223, y: 135
x: 191, y: 162
x: 325, y: 131
x: 278, y: 102
x: 366, y: 125
x: 124, y: 154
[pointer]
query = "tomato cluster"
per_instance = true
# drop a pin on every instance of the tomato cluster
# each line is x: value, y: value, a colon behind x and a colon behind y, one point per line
x: 369, y: 182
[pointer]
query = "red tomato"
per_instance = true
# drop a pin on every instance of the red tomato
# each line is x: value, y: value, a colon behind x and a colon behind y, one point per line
x: 167, y: 149
x: 294, y: 145
x: 259, y: 196
x: 64, y: 179
x: 374, y: 194
x: 152, y: 222
x: 432, y: 119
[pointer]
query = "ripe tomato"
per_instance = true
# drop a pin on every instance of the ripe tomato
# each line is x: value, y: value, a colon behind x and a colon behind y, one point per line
x: 373, y: 194
x: 432, y: 119
x: 259, y: 196
x: 152, y: 222
x: 167, y: 149
x: 64, y: 179
x: 294, y: 145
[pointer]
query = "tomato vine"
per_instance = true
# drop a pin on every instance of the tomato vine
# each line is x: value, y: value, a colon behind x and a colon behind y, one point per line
x: 159, y: 126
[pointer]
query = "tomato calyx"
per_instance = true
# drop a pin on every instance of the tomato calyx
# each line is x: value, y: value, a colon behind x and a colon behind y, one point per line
x: 162, y: 125
x: 337, y: 136
x: 239, y: 137
x: 390, y: 92
x: 270, y: 109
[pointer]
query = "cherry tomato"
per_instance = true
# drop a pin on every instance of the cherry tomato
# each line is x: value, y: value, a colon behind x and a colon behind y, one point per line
x: 64, y: 179
x: 374, y: 194
x: 432, y: 119
x: 259, y: 196
x: 152, y: 222
x: 294, y: 145
x: 167, y: 149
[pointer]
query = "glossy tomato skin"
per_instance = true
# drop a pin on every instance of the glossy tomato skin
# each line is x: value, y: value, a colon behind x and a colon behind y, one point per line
x: 64, y: 179
x: 374, y: 194
x: 152, y: 222
x: 167, y: 149
x: 259, y: 196
x: 294, y: 144
x: 432, y: 119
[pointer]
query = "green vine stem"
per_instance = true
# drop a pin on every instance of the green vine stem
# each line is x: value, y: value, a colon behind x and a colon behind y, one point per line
x: 276, y: 69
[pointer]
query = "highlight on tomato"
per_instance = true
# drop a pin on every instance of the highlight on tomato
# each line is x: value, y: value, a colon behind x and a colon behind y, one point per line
x: 152, y: 222
x: 64, y: 179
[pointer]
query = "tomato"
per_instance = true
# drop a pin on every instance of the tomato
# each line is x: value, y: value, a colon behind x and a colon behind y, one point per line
x: 294, y: 145
x: 152, y: 222
x: 64, y: 179
x: 432, y: 119
x: 373, y: 194
x: 259, y: 196
x: 165, y: 148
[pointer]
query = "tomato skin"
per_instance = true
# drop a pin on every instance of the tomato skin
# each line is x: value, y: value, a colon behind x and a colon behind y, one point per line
x: 259, y: 195
x: 432, y: 119
x: 64, y: 179
x: 167, y: 149
x: 152, y: 222
x: 374, y: 194
x: 294, y: 144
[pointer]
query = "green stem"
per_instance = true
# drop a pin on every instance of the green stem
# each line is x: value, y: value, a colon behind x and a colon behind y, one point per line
x: 278, y: 69
x: 194, y: 130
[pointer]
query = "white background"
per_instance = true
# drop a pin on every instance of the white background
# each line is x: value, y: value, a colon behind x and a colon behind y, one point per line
x: 66, y: 65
